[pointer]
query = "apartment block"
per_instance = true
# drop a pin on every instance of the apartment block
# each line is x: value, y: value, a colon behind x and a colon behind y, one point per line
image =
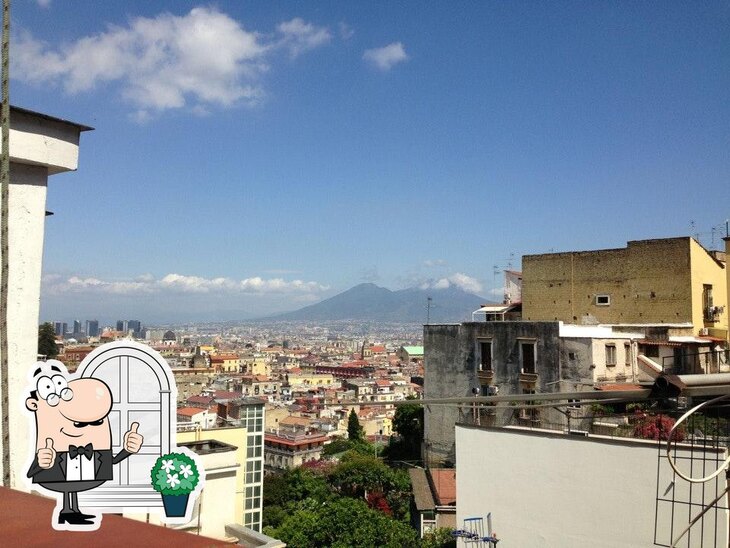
x: 665, y: 281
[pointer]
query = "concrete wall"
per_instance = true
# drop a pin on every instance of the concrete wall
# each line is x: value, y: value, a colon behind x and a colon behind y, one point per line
x: 39, y: 146
x: 547, y: 489
x: 451, y: 371
x: 649, y: 281
x: 27, y: 206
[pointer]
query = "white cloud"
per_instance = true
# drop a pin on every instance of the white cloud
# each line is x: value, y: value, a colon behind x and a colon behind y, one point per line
x: 346, y: 31
x: 434, y: 262
x: 43, y: 3
x: 177, y: 283
x: 462, y: 281
x: 386, y: 57
x: 298, y: 36
x: 202, y: 59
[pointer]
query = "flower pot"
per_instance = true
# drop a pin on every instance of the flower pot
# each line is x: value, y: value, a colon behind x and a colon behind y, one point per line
x: 175, y: 505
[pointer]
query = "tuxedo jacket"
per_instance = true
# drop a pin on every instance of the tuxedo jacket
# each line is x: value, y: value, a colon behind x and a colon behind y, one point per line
x: 103, y: 462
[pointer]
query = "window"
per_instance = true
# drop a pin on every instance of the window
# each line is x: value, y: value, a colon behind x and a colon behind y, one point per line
x: 610, y: 355
x: 485, y: 355
x: 527, y: 357
x: 142, y: 388
x: 708, y: 308
x: 603, y: 300
x: 649, y: 350
x: 627, y: 354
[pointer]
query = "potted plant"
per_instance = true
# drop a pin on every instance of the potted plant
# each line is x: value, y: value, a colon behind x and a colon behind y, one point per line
x: 175, y: 476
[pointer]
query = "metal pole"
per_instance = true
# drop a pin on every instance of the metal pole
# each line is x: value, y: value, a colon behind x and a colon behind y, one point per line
x: 4, y: 261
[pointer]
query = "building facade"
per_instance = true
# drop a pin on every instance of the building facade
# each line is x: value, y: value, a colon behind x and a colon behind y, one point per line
x: 672, y: 281
x: 489, y: 358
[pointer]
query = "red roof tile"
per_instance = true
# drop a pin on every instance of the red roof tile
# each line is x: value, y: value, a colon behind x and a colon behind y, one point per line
x: 189, y: 411
x: 443, y: 481
x: 27, y: 522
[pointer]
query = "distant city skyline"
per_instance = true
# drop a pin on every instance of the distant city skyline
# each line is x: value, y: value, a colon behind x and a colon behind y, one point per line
x: 306, y: 148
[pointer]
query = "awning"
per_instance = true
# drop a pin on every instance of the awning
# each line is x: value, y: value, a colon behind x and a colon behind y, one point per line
x: 649, y: 342
x: 493, y: 309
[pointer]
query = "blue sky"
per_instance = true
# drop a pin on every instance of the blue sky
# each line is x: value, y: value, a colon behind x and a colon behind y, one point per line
x: 252, y: 157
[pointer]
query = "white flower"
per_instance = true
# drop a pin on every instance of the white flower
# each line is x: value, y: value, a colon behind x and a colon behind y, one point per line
x: 185, y: 470
x: 167, y: 465
x: 172, y: 480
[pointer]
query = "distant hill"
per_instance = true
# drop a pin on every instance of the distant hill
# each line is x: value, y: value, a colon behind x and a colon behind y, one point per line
x: 370, y: 302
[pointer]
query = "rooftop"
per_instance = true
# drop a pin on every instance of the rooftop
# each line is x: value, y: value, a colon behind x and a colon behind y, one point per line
x: 27, y: 522
x: 205, y: 447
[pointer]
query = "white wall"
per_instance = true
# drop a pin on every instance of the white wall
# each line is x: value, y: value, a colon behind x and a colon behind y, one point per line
x: 27, y: 206
x: 39, y: 146
x: 550, y: 489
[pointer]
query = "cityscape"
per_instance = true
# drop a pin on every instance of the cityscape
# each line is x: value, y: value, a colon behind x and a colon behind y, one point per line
x: 344, y: 275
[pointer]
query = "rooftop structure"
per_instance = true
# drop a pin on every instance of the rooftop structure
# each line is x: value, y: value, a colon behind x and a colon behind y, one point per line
x: 40, y: 146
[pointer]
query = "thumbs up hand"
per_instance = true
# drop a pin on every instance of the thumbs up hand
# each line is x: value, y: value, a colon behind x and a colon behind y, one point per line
x: 47, y: 455
x: 132, y: 439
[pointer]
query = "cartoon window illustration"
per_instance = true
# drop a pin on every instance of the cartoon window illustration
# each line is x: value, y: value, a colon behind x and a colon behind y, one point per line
x: 141, y: 390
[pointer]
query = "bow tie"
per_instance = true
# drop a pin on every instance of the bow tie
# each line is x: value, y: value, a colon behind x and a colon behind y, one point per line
x: 86, y: 450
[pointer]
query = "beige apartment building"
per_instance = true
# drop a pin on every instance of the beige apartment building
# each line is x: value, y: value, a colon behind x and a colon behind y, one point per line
x: 672, y: 281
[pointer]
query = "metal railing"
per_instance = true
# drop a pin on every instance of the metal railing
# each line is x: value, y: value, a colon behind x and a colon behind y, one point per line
x: 697, y: 363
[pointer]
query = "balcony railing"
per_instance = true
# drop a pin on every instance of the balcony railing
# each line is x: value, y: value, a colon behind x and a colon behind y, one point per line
x: 697, y: 363
x: 485, y: 376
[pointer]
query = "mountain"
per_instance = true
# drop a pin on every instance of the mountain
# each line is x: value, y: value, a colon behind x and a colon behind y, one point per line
x: 370, y: 302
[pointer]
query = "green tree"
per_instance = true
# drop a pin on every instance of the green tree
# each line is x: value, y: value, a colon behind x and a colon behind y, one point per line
x: 408, y: 424
x: 284, y: 490
x: 356, y: 474
x: 341, y: 523
x: 362, y: 476
x: 336, y: 446
x: 354, y: 430
x: 438, y: 538
x: 47, y: 341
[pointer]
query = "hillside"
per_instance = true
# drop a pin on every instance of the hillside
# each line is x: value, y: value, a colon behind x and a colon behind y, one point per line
x: 370, y: 302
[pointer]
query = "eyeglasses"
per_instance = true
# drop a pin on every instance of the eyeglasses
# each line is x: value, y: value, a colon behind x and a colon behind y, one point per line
x: 53, y: 389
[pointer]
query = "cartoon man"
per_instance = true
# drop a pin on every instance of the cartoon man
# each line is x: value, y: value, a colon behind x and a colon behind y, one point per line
x: 73, y: 437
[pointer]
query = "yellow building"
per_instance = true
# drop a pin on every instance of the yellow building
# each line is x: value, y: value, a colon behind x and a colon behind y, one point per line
x: 232, y: 436
x: 727, y: 275
x: 256, y: 365
x: 668, y: 281
x: 225, y: 363
x: 311, y: 379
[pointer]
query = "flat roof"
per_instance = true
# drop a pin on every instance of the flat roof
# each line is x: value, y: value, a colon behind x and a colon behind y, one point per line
x: 80, y: 127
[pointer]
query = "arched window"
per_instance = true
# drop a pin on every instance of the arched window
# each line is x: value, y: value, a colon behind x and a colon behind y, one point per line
x: 143, y: 391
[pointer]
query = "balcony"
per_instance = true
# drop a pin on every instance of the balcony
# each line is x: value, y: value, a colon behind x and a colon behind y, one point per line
x: 485, y: 376
x: 528, y: 380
